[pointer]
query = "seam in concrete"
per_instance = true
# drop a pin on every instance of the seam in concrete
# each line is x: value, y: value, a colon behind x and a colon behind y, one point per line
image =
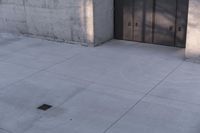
x: 29, y: 77
x: 67, y: 99
x: 146, y: 94
x: 76, y: 93
x: 42, y: 70
x: 174, y: 99
x: 64, y: 59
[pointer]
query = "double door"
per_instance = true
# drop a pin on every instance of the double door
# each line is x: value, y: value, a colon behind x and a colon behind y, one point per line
x: 152, y: 21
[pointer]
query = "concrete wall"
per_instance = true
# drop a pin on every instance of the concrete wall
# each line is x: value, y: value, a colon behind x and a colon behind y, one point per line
x: 103, y: 20
x: 67, y: 20
x: 83, y: 21
x: 193, y: 33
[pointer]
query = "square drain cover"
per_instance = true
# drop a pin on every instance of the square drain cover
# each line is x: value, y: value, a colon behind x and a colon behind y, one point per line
x: 44, y: 107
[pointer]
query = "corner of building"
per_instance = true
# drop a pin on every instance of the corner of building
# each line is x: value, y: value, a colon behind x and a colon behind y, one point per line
x: 103, y: 21
x: 193, y: 32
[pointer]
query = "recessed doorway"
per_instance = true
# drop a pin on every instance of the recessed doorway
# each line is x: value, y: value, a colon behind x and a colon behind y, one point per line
x: 161, y: 22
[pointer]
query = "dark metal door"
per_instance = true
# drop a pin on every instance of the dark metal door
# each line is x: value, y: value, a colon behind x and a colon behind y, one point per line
x: 118, y: 19
x: 148, y: 20
x: 128, y: 20
x: 143, y: 20
x: 165, y: 19
x: 138, y: 15
x: 181, y: 22
x: 153, y: 21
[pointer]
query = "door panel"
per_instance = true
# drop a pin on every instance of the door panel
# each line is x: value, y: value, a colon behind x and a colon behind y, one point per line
x: 127, y: 20
x: 118, y: 22
x: 165, y: 18
x: 152, y: 21
x: 181, y: 24
x: 138, y: 15
x: 148, y: 27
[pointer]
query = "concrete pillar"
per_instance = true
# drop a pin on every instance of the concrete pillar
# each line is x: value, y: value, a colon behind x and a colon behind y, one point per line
x: 193, y: 32
x: 103, y: 20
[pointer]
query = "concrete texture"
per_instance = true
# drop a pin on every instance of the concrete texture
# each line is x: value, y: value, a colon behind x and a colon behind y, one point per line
x: 103, y: 20
x: 193, y: 40
x: 86, y: 22
x: 62, y: 20
x: 119, y: 87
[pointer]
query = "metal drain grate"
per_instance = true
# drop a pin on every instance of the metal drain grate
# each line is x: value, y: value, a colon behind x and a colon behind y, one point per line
x: 44, y: 107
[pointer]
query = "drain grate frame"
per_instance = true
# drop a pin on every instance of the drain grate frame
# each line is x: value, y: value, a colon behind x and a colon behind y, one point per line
x: 44, y: 107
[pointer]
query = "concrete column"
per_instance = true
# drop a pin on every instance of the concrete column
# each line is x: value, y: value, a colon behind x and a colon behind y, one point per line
x: 193, y: 33
x: 103, y: 20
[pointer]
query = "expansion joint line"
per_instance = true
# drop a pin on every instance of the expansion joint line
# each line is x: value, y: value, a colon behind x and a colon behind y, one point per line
x: 146, y: 94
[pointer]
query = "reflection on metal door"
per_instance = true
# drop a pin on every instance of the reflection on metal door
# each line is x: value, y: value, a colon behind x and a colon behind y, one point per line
x: 128, y: 28
x: 138, y: 16
x: 165, y: 20
x: 148, y: 19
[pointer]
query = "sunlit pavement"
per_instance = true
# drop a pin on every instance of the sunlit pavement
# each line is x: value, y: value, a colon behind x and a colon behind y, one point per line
x: 119, y: 87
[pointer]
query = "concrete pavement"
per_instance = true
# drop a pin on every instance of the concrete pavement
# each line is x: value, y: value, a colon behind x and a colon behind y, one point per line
x: 119, y: 87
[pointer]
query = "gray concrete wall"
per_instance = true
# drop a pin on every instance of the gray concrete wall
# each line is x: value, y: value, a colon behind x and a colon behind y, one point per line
x: 193, y: 33
x: 103, y: 20
x: 67, y: 20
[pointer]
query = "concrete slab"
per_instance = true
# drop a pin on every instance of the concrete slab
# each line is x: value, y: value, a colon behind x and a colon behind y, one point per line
x: 84, y: 67
x: 118, y: 87
x: 92, y: 111
x: 182, y: 85
x: 11, y: 73
x: 44, y: 47
x: 42, y: 88
x: 16, y: 43
x: 139, y: 73
x: 40, y: 62
x: 157, y: 115
x: 110, y: 66
x: 14, y: 119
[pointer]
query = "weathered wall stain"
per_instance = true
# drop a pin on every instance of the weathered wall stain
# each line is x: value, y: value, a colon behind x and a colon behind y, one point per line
x: 87, y: 21
x: 58, y: 19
